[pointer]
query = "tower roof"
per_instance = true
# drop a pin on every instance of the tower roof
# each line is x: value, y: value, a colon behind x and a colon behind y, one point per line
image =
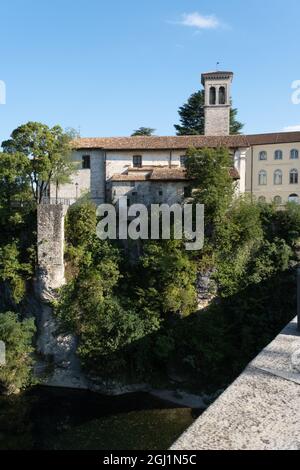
x: 219, y: 75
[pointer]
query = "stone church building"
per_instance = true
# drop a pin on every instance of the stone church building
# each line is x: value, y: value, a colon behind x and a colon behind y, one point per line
x: 152, y: 169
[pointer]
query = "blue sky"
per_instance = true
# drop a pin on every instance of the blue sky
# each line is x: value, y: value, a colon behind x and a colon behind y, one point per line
x: 109, y: 67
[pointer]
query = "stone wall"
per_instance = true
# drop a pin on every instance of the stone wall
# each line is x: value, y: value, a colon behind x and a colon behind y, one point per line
x: 148, y: 192
x: 50, y: 249
x: 55, y: 348
x: 217, y: 120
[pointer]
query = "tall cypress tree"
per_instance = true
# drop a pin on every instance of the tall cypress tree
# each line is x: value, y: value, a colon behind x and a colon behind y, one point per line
x: 192, y: 117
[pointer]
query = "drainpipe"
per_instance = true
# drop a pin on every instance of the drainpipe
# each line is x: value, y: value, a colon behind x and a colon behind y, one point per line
x: 252, y: 173
x: 105, y: 179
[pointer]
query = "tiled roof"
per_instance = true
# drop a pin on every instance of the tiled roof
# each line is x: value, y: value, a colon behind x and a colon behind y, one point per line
x: 159, y: 143
x: 130, y: 177
x: 275, y: 138
x: 183, y: 142
x: 153, y: 174
x: 168, y: 174
x: 159, y: 174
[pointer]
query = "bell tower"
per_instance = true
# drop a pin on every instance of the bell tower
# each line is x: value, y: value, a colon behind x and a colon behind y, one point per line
x: 217, y: 86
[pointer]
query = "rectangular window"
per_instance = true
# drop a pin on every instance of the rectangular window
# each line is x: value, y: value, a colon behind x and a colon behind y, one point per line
x: 86, y: 162
x: 137, y: 161
x: 183, y: 159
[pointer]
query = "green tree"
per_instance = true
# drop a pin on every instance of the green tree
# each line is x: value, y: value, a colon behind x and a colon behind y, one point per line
x: 13, y: 271
x: 17, y: 236
x: 93, y: 305
x: 147, y: 131
x: 244, y: 253
x: 192, y: 121
x: 167, y: 269
x: 15, y: 195
x: 81, y: 222
x: 17, y: 336
x: 283, y: 224
x: 213, y: 186
x: 48, y: 153
x: 15, y: 183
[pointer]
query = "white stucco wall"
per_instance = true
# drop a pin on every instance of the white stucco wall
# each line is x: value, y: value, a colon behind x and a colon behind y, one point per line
x: 85, y: 181
x: 117, y: 162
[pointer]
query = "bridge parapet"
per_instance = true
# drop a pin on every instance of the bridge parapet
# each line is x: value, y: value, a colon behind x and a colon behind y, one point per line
x: 260, y: 410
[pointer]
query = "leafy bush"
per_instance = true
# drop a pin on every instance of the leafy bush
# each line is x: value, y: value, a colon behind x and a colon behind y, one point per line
x: 17, y: 336
x: 13, y: 271
x: 166, y: 267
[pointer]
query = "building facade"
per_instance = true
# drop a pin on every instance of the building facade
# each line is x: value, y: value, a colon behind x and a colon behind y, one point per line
x: 152, y: 169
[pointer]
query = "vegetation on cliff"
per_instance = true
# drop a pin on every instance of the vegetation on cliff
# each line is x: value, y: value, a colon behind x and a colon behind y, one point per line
x: 17, y: 336
x: 137, y: 316
x: 34, y: 156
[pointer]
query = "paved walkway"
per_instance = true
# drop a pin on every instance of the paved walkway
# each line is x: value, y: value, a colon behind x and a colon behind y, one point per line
x: 261, y: 409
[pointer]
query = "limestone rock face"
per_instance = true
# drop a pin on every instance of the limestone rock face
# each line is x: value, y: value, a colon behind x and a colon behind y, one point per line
x: 206, y: 288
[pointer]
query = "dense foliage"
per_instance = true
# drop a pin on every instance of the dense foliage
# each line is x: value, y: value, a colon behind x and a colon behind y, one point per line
x: 17, y: 336
x: 44, y: 154
x: 91, y: 305
x: 34, y: 156
x: 134, y: 307
x: 143, y: 131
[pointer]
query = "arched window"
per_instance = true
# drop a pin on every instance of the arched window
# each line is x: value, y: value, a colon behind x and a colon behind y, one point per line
x: 294, y: 198
x: 222, y: 95
x: 277, y: 200
x: 262, y: 178
x: 212, y: 95
x: 294, y: 176
x: 278, y: 155
x: 263, y: 155
x: 278, y: 177
x: 261, y: 199
x: 294, y: 154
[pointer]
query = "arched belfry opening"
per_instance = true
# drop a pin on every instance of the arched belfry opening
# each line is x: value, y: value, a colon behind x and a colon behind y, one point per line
x: 222, y: 95
x: 212, y: 95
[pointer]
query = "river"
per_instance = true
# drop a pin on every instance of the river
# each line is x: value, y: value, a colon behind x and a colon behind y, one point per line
x: 47, y: 418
